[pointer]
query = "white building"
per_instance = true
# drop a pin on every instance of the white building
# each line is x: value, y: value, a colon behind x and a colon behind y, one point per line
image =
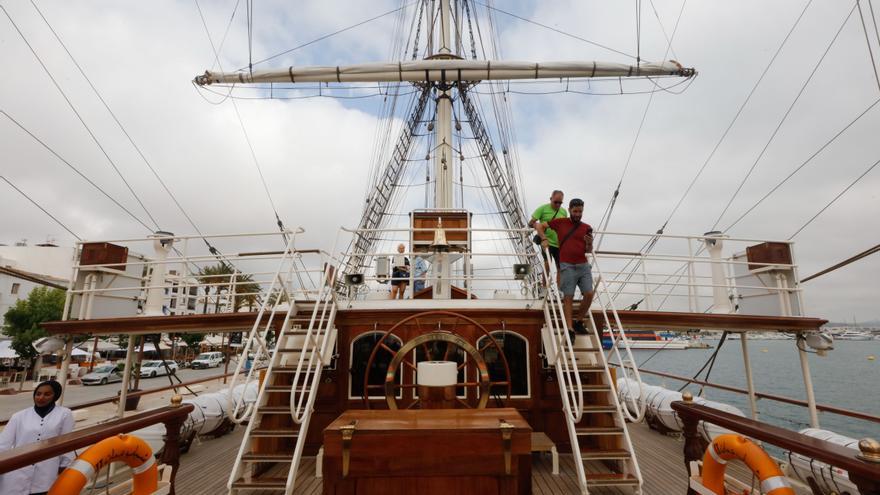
x: 23, y: 268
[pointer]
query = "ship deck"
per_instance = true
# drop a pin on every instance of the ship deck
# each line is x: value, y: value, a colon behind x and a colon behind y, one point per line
x: 205, y: 469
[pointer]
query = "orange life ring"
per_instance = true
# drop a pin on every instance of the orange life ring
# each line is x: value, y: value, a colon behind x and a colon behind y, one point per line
x: 727, y: 447
x: 123, y: 448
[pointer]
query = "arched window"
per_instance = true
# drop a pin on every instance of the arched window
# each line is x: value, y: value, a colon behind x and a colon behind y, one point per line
x: 361, y: 347
x: 516, y: 351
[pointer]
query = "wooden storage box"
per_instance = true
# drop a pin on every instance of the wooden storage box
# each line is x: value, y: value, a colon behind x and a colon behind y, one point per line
x: 428, y: 452
x: 103, y: 253
x: 768, y: 252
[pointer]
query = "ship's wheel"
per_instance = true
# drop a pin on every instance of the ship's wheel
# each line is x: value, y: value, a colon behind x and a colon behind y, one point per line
x: 440, y: 344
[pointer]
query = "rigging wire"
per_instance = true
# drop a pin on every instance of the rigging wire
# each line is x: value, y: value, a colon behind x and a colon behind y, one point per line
x: 121, y: 126
x: 784, y: 117
x: 81, y: 120
x: 802, y: 165
x: 59, y: 222
x: 545, y: 26
x: 834, y: 200
x: 736, y: 116
x: 851, y: 259
x: 324, y: 37
x: 70, y: 165
x: 606, y: 216
x: 868, y: 41
x: 244, y: 130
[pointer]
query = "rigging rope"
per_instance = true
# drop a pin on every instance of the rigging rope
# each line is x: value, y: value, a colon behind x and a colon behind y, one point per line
x: 334, y: 33
x: 802, y: 165
x: 70, y: 165
x: 243, y: 128
x: 545, y: 26
x: 40, y: 207
x: 852, y: 259
x: 784, y: 118
x: 121, y: 126
x: 81, y: 120
x: 828, y: 205
x: 868, y: 41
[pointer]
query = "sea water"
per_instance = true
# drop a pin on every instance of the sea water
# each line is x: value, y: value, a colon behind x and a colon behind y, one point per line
x: 846, y: 377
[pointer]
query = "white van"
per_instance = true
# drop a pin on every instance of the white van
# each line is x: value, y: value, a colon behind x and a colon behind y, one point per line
x: 207, y: 360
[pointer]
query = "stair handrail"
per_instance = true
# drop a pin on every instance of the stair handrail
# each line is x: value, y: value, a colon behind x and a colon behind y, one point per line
x: 259, y: 337
x: 638, y: 404
x: 563, y: 348
x: 320, y: 326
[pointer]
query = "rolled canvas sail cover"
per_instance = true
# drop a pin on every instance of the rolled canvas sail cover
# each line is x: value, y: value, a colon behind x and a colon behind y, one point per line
x: 445, y: 70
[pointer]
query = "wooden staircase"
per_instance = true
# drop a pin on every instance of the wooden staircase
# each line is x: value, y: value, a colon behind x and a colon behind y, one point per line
x: 277, y: 427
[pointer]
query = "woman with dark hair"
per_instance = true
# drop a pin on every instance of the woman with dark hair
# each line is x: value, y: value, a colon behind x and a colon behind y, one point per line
x: 44, y: 420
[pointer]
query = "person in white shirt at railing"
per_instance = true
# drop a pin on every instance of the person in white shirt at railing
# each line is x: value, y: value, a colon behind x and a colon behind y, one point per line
x: 399, y: 273
x: 41, y: 422
x: 575, y: 241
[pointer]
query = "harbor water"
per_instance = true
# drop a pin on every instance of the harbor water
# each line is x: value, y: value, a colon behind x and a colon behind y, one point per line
x: 847, y: 378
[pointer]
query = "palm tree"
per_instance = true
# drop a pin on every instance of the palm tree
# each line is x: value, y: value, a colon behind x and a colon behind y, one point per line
x: 218, y: 276
x: 249, y: 290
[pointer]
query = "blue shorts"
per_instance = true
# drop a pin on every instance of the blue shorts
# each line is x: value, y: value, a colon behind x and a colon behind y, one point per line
x: 571, y: 276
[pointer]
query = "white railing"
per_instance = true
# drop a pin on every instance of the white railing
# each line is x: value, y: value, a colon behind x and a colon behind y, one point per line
x: 470, y: 271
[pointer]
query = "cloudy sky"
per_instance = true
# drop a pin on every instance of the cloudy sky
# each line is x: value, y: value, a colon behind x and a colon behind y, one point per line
x: 316, y: 153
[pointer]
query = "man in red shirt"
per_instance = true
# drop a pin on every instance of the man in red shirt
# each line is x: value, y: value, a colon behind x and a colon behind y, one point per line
x: 575, y: 241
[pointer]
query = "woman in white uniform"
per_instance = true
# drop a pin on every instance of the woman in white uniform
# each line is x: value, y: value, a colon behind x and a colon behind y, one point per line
x: 44, y: 420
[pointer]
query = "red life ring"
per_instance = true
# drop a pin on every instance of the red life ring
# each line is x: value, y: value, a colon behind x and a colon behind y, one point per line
x: 123, y: 448
x: 727, y: 447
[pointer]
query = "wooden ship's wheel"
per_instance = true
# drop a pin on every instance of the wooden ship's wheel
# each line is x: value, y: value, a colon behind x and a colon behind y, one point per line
x: 480, y: 381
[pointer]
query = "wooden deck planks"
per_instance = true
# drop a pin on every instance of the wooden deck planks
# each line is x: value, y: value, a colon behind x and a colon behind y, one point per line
x: 205, y: 469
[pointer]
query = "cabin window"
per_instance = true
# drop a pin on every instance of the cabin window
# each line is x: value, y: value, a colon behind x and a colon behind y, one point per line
x: 15, y: 288
x: 516, y: 350
x: 361, y: 348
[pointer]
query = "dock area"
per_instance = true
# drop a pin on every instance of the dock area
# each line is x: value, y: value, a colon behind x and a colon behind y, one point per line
x: 205, y: 469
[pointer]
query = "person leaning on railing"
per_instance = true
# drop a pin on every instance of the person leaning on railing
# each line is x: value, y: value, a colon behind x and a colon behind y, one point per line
x: 575, y: 241
x: 44, y: 420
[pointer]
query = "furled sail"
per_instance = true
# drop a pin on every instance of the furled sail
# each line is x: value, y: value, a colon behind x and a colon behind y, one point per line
x: 445, y: 70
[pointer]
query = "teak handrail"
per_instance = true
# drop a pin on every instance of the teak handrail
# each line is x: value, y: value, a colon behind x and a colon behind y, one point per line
x: 172, y: 416
x: 865, y: 474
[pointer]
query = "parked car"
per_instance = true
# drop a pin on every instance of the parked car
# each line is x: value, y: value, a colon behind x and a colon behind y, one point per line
x: 207, y: 360
x: 102, y: 375
x: 155, y: 368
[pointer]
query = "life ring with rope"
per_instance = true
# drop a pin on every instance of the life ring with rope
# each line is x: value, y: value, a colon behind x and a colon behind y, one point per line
x: 729, y: 446
x: 129, y: 449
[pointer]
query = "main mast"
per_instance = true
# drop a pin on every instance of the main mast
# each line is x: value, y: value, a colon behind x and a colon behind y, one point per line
x: 442, y: 76
x: 443, y: 172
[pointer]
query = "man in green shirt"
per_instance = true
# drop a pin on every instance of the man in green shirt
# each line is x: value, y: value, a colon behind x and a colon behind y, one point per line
x: 544, y: 214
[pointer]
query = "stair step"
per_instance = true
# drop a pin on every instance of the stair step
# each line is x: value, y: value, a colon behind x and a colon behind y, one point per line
x: 605, y: 454
x: 611, y: 479
x: 282, y: 389
x: 599, y: 409
x: 274, y: 433
x: 260, y: 484
x: 591, y: 369
x: 601, y: 387
x: 598, y: 430
x: 268, y: 457
x: 274, y: 410
x: 290, y: 369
